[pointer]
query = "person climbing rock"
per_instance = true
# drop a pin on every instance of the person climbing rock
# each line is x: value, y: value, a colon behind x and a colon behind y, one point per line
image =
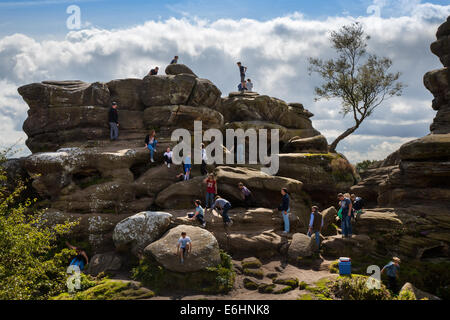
x: 113, y: 117
x: 81, y: 260
x: 154, y: 72
x: 187, y: 167
x: 174, y: 60
x: 358, y: 205
x: 242, y: 71
x: 285, y: 209
x: 249, y: 85
x: 246, y: 195
x: 204, y: 159
x: 184, y: 246
x: 199, y: 213
x: 315, y: 224
x: 168, y: 157
x: 392, y: 270
x: 151, y: 143
x: 180, y: 177
x: 223, y: 206
x: 346, y: 211
x: 211, y: 190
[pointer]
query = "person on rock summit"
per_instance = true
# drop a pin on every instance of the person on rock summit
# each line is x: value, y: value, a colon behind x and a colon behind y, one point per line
x: 242, y: 71
x: 174, y: 60
x: 113, y: 118
x: 154, y: 72
x: 285, y: 209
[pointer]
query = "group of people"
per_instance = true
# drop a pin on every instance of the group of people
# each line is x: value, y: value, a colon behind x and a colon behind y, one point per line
x: 351, y: 207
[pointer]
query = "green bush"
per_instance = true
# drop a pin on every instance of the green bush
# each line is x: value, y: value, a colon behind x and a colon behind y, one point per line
x: 31, y: 264
x: 354, y: 287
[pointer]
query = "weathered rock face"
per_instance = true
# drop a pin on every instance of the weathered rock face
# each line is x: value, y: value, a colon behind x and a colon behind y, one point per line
x: 418, y: 294
x: 441, y: 46
x: 316, y: 144
x: 205, y: 250
x: 174, y: 69
x: 301, y: 246
x: 357, y: 246
x: 141, y: 229
x: 108, y: 262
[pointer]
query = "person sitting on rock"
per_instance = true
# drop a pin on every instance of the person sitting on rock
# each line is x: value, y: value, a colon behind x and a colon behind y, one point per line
x: 358, y: 205
x: 249, y: 85
x: 199, y: 213
x: 113, y: 117
x: 81, y: 259
x: 184, y: 246
x: 223, y: 206
x: 150, y: 143
x: 211, y: 190
x: 392, y: 269
x: 285, y: 209
x: 187, y: 167
x: 154, y: 72
x: 241, y: 88
x: 242, y: 71
x: 346, y: 212
x: 174, y: 60
x: 315, y: 224
x: 246, y: 195
x: 168, y: 157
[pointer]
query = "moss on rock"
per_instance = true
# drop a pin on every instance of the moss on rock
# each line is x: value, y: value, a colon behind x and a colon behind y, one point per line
x: 256, y: 273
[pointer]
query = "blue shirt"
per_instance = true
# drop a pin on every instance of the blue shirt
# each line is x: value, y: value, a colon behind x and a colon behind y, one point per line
x: 187, y: 160
x: 200, y: 210
x: 391, y: 269
x: 284, y: 203
x: 184, y: 241
x: 345, y: 206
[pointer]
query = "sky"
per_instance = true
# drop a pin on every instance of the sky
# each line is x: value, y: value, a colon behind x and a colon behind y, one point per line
x: 274, y: 39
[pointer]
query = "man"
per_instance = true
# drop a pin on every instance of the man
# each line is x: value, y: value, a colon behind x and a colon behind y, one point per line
x: 346, y: 211
x: 315, y: 225
x: 184, y: 246
x: 175, y: 60
x: 392, y: 269
x: 358, y: 205
x: 284, y: 208
x: 242, y: 71
x: 204, y: 159
x: 224, y: 206
x: 113, y: 116
x: 246, y: 195
x: 154, y: 72
x: 249, y: 85
x: 199, y: 213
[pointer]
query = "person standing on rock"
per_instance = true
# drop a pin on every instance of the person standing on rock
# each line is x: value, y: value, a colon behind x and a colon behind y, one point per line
x: 392, y: 269
x: 204, y: 159
x: 199, y: 213
x: 242, y: 71
x: 223, y: 205
x: 246, y: 195
x: 184, y: 246
x: 174, y: 60
x: 187, y: 167
x: 315, y: 225
x: 168, y: 157
x: 346, y: 211
x: 113, y: 117
x: 285, y: 209
x: 151, y: 143
x: 154, y: 72
x: 211, y: 190
x: 249, y: 85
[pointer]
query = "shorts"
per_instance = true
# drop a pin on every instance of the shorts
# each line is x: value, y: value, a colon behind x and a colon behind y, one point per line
x: 187, y: 167
x: 242, y: 77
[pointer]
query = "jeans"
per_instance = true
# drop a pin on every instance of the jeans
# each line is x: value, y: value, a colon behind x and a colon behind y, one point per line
x: 167, y: 159
x: 317, y: 233
x: 248, y: 201
x: 286, y: 220
x: 203, y: 168
x: 225, y: 216
x: 113, y: 130
x: 209, y: 199
x: 199, y: 217
x: 152, y: 147
x: 392, y: 284
x: 346, y: 225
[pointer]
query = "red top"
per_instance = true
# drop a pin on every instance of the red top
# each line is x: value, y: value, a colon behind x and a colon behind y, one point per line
x: 210, y: 186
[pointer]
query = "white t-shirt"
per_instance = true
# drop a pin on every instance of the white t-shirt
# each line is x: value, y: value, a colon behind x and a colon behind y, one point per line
x: 184, y: 241
x: 168, y: 154
x: 204, y: 157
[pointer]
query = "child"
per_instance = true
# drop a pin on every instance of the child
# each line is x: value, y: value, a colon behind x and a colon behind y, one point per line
x: 150, y: 143
x: 315, y: 224
x: 199, y: 213
x: 168, y: 157
x: 224, y: 206
x: 187, y: 166
x: 211, y: 190
x: 285, y: 209
x: 392, y: 270
x: 184, y: 246
x: 246, y: 195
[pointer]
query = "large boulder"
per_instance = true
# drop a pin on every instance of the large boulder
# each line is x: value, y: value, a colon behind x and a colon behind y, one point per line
x: 205, y: 94
x: 205, y: 250
x: 126, y: 93
x: 357, y: 246
x: 441, y: 47
x: 108, y: 262
x: 301, y: 246
x: 141, y: 229
x: 316, y: 144
x: 181, y: 195
x: 433, y: 146
x: 175, y: 69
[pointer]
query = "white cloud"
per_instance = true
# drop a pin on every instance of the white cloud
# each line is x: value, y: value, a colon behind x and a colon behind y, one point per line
x: 275, y: 51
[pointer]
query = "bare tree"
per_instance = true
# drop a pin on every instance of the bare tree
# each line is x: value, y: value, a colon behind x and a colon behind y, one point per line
x: 360, y: 80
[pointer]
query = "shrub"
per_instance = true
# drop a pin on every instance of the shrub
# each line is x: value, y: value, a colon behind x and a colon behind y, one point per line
x: 354, y: 288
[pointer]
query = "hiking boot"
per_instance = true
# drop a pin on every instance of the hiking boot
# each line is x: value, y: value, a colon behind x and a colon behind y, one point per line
x: 204, y: 225
x: 152, y: 160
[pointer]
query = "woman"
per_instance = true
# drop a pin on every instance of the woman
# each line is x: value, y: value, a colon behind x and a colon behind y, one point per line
x: 211, y: 190
x: 199, y: 213
x: 168, y: 157
x: 285, y: 209
x: 150, y: 143
x: 81, y: 259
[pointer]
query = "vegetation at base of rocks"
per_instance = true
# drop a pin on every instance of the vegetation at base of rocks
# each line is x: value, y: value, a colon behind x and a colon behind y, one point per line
x: 31, y: 265
x: 406, y: 295
x: 283, y: 290
x: 266, y: 288
x: 302, y: 285
x: 287, y: 282
x: 320, y: 289
x: 256, y: 273
x: 252, y: 263
x: 342, y: 170
x: 219, y: 279
x: 365, y: 165
x: 108, y: 289
x: 334, y: 267
x: 249, y: 284
x: 306, y: 296
x: 354, y: 287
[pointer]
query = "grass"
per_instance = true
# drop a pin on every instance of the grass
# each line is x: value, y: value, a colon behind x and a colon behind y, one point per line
x: 250, y: 284
x: 251, y: 263
x: 266, y: 288
x: 334, y: 267
x: 256, y: 273
x: 293, y: 283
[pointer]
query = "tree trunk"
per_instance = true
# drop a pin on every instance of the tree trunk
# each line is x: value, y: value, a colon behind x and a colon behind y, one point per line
x: 332, y: 147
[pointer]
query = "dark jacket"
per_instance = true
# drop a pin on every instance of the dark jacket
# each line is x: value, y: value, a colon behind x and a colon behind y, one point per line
x: 317, y: 223
x: 113, y: 115
x: 284, y: 206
